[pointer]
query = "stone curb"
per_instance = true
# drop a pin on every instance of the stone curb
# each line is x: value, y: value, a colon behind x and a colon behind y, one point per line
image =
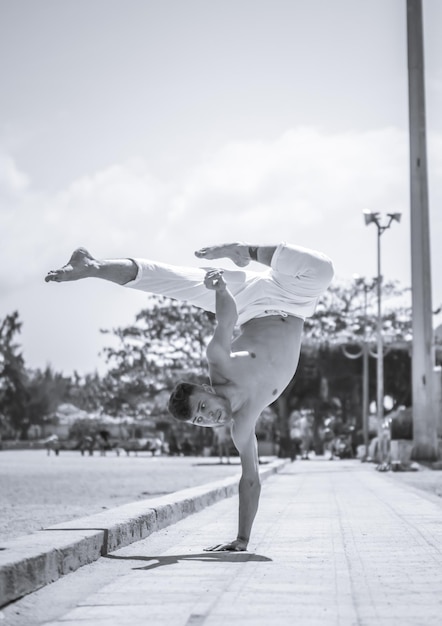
x: 32, y: 561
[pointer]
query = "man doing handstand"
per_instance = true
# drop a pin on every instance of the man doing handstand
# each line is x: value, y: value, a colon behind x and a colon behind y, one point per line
x: 249, y: 372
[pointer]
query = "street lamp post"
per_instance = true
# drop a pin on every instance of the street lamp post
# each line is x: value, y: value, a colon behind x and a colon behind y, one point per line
x: 365, y: 380
x: 374, y: 218
x: 365, y: 353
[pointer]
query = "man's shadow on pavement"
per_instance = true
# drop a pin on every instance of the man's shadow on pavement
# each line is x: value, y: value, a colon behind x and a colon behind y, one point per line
x: 204, y: 557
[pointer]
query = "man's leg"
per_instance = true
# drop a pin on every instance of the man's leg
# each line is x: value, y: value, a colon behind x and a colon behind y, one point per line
x: 179, y: 283
x: 240, y: 253
x: 83, y: 265
x: 313, y: 267
x: 185, y: 284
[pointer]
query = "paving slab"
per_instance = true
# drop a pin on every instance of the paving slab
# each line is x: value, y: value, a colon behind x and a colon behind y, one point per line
x: 333, y: 545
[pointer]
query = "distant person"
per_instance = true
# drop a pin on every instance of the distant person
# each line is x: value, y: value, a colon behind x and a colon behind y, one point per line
x: 186, y: 447
x: 295, y: 435
x: 52, y: 443
x: 337, y: 428
x: 222, y: 439
x: 103, y: 442
x: 174, y: 447
x: 305, y: 425
x: 87, y: 444
x: 247, y: 373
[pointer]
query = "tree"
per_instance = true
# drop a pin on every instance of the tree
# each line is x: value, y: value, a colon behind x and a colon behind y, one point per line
x: 86, y: 392
x: 14, y: 395
x: 347, y: 312
x: 26, y: 396
x: 345, y: 315
x: 45, y: 391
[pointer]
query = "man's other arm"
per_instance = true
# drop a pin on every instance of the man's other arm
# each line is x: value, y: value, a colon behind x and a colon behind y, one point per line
x: 219, y: 347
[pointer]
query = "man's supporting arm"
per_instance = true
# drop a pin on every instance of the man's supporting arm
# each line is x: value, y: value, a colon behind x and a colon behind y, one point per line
x: 249, y: 488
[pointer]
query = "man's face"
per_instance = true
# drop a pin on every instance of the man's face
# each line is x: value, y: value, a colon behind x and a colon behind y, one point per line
x: 209, y: 409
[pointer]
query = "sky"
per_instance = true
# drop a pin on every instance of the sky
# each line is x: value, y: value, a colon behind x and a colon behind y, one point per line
x: 152, y: 128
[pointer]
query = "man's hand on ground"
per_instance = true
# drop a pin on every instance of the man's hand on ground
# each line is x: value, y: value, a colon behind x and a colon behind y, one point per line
x: 238, y: 545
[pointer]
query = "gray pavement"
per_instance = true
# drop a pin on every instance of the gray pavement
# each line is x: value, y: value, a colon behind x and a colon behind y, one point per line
x: 333, y: 544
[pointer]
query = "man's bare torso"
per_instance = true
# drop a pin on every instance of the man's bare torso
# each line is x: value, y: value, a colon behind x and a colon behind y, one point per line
x: 264, y: 360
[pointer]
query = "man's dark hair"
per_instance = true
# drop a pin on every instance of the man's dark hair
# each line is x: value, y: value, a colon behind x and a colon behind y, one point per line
x: 179, y: 404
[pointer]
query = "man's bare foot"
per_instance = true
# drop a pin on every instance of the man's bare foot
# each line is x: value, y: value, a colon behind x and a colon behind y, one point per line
x: 80, y: 265
x: 236, y: 252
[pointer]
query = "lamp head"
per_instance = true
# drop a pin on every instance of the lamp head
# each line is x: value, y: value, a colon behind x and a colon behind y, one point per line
x: 395, y: 216
x: 370, y: 216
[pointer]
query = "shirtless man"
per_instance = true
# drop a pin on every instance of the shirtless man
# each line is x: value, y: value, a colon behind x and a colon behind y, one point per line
x: 251, y: 371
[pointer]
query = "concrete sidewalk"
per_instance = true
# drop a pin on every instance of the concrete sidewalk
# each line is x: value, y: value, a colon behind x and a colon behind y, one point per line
x: 333, y: 544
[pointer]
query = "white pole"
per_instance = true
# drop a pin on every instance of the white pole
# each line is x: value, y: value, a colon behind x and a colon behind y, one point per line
x: 380, y: 355
x: 365, y: 376
x: 424, y: 418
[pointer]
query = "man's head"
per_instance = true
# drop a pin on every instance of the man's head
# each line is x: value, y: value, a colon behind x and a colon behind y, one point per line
x: 200, y: 405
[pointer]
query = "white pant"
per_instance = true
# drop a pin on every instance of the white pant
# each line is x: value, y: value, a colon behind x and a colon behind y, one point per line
x: 292, y: 285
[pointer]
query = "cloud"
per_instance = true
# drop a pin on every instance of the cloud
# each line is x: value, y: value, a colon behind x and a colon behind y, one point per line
x: 104, y: 209
x: 307, y: 186
x: 12, y: 182
x: 110, y: 205
x: 305, y: 172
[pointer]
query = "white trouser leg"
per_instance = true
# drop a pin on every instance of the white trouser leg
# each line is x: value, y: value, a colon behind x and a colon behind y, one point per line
x: 185, y: 284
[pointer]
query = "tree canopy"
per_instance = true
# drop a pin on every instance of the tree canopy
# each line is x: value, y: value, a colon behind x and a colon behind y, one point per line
x: 26, y: 396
